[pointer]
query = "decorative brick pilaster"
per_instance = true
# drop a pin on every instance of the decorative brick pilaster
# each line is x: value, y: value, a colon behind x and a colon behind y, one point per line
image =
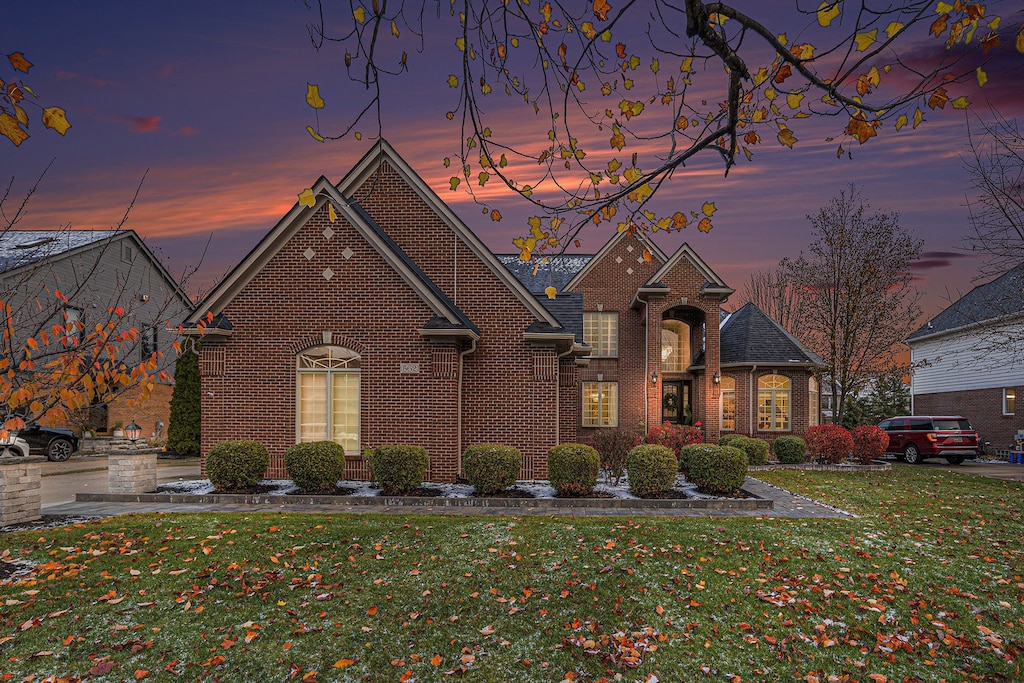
x: 20, y: 494
x: 132, y: 472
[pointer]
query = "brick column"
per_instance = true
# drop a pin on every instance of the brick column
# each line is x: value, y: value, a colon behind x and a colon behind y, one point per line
x: 132, y: 472
x: 20, y: 494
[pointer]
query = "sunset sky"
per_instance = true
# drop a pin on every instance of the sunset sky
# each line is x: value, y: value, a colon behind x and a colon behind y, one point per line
x: 206, y: 99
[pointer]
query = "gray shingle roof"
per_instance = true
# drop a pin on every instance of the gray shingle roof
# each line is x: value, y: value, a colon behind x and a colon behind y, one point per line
x: 22, y: 247
x: 750, y: 336
x: 556, y: 272
x: 995, y: 299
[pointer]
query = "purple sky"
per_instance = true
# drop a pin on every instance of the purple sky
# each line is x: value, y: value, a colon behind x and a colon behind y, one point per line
x: 209, y: 97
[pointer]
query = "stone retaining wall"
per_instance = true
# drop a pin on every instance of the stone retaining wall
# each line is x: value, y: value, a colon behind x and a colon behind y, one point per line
x: 20, y: 493
x: 132, y: 472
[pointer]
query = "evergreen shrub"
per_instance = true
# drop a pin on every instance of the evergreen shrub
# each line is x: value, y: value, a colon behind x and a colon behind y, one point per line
x: 652, y: 469
x: 399, y: 469
x: 315, y: 467
x: 720, y: 470
x: 573, y: 469
x: 490, y: 467
x: 790, y: 450
x: 236, y: 465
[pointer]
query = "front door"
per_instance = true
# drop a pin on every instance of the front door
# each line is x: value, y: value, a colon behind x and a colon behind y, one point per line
x: 675, y: 402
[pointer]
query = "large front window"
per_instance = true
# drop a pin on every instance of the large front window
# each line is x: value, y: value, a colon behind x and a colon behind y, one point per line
x: 675, y: 346
x: 728, y: 404
x: 328, y: 387
x: 601, y: 333
x: 600, y: 404
x: 773, y: 393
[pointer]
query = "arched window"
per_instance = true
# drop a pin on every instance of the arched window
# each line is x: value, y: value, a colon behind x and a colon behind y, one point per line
x: 728, y: 404
x: 675, y: 346
x: 328, y: 396
x: 812, y: 402
x: 773, y: 403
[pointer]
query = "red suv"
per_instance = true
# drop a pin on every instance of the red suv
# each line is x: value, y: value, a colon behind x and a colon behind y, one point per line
x: 917, y: 437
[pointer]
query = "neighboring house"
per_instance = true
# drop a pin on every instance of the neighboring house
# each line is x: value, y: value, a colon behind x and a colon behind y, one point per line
x: 96, y: 270
x: 376, y: 316
x: 969, y: 360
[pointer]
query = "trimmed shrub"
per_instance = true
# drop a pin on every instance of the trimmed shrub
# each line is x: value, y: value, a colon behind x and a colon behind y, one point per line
x: 756, y: 449
x: 399, y: 469
x: 718, y: 470
x: 673, y: 436
x: 491, y: 467
x: 183, y: 428
x: 652, y: 469
x: 686, y: 454
x: 728, y: 439
x: 828, y: 444
x: 869, y: 443
x: 614, y: 445
x: 790, y: 450
x: 234, y: 465
x: 315, y: 467
x: 573, y: 468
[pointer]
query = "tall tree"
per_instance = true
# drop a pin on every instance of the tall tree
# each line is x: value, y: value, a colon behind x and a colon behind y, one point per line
x: 773, y: 293
x: 858, y: 302
x: 184, y: 430
x: 620, y: 96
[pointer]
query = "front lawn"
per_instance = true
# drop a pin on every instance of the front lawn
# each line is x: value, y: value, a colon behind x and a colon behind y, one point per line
x: 926, y: 586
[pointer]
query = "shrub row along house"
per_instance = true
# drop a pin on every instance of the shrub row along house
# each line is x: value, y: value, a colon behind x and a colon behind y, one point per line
x: 373, y: 315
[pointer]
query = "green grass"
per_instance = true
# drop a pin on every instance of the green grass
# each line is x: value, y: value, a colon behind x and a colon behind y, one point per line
x: 925, y: 586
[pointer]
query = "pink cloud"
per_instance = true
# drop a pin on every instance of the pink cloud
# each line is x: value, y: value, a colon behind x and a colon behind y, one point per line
x: 66, y: 75
x: 100, y: 82
x: 188, y: 131
x: 143, y: 124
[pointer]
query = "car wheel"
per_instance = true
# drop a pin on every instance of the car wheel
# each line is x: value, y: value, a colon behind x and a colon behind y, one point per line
x: 10, y: 451
x: 59, y: 450
x: 912, y: 454
x: 954, y: 459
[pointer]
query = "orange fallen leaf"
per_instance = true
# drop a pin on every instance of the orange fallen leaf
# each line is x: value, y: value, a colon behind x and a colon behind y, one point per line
x: 342, y: 663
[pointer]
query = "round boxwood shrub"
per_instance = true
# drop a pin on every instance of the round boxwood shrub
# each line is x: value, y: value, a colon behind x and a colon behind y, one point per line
x: 315, y: 467
x: 790, y: 450
x: 399, y: 469
x: 728, y: 439
x: 686, y: 453
x: 573, y: 468
x: 720, y: 471
x: 234, y: 465
x: 828, y: 444
x: 652, y: 469
x: 756, y: 449
x: 491, y: 467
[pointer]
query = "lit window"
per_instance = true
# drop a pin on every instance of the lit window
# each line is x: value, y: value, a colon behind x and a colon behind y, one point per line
x: 773, y: 403
x: 149, y: 343
x: 812, y: 402
x: 328, y: 396
x: 1009, y: 401
x: 728, y: 404
x: 74, y: 326
x: 600, y: 404
x: 675, y: 346
x: 601, y: 333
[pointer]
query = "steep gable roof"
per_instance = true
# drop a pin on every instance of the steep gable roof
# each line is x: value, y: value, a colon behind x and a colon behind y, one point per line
x: 447, y: 316
x: 999, y: 298
x: 555, y: 271
x: 589, y: 266
x: 750, y: 336
x: 685, y: 252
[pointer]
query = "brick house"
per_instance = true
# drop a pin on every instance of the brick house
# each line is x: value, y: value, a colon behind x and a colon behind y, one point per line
x: 968, y: 361
x: 373, y: 315
x: 96, y: 270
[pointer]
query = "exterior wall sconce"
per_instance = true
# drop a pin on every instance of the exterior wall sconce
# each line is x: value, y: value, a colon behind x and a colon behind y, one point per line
x: 717, y: 378
x: 654, y: 377
x: 133, y: 431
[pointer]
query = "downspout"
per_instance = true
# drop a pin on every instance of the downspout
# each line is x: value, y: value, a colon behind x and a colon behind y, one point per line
x: 751, y: 399
x: 458, y: 408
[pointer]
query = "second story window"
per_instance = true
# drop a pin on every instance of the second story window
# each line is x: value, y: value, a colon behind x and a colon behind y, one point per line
x: 601, y: 333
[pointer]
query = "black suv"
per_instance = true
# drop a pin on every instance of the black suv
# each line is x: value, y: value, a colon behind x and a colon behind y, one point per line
x: 56, y: 443
x: 917, y: 437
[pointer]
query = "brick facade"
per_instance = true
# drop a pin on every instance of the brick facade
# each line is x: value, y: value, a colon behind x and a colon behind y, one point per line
x: 984, y: 409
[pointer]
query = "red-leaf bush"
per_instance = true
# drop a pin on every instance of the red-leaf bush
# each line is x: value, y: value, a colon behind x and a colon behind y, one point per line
x: 869, y: 443
x: 673, y: 436
x: 828, y: 444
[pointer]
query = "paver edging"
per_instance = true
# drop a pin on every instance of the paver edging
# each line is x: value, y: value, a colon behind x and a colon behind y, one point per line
x: 752, y: 503
x: 815, y: 467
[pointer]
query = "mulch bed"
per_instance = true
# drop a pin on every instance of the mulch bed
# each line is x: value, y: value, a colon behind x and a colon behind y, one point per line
x: 507, y: 493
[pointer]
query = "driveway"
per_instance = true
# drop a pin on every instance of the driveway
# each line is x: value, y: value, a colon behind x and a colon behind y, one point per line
x: 88, y: 474
x: 996, y: 470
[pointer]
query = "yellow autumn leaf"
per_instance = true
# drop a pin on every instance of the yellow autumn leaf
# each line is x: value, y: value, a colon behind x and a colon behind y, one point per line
x: 982, y: 77
x: 453, y: 81
x: 332, y: 215
x: 865, y: 40
x: 961, y: 102
x: 687, y: 65
x: 918, y: 118
x: 342, y: 663
x: 827, y: 11
x: 360, y: 14
x: 56, y: 118
x: 893, y: 28
x: 1020, y: 39
x: 313, y: 98
x: 495, y: 215
x: 460, y: 43
x: 483, y: 178
x: 793, y: 99
x: 760, y: 76
x: 394, y: 29
x: 306, y: 197
x: 901, y: 121
x: 21, y: 114
x: 654, y: 65
x: 551, y: 292
x: 786, y: 136
x: 709, y: 208
x: 943, y: 8
x: 313, y: 134
x: 705, y: 225
x: 454, y: 182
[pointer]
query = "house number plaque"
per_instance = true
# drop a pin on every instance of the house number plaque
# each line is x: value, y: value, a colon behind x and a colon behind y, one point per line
x: 409, y: 368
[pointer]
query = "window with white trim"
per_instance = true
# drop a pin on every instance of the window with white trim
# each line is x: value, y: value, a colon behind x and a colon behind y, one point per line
x: 600, y: 404
x: 601, y: 333
x: 773, y: 394
x: 1009, y: 401
x: 149, y: 342
x: 813, y: 399
x: 728, y: 416
x: 74, y: 326
x: 675, y: 346
x: 328, y: 396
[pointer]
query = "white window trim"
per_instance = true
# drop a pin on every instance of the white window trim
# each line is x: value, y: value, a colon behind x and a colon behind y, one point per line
x: 775, y: 391
x: 603, y: 318
x: 1006, y: 391
x: 328, y: 367
x: 600, y: 402
x: 721, y: 405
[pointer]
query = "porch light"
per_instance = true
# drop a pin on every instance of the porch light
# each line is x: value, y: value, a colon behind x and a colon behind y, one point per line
x: 716, y: 378
x: 133, y: 431
x: 654, y: 377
